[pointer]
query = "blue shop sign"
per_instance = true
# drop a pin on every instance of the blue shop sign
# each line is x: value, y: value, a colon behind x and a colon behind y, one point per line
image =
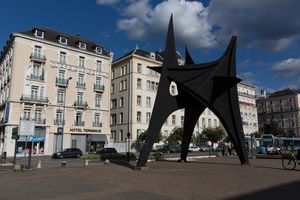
x: 32, y: 139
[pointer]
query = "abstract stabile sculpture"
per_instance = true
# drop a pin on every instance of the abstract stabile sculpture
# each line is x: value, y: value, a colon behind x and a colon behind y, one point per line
x: 212, y: 85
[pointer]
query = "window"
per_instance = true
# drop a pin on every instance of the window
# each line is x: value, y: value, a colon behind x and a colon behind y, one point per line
x: 62, y: 57
x: 113, y: 103
x: 98, y: 49
x: 36, y: 70
x: 113, y: 119
x: 39, y: 33
x: 59, y: 117
x: 121, y: 118
x: 293, y: 123
x: 61, y: 74
x: 209, y: 123
x: 82, y: 45
x: 139, y: 83
x: 123, y: 85
x: 121, y: 135
x: 112, y: 88
x: 148, y: 117
x: 148, y: 102
x: 80, y: 80
x: 112, y: 74
x: 38, y: 115
x: 139, y: 100
x: 79, y: 118
x: 182, y: 120
x: 113, y: 135
x: 280, y: 100
x: 37, y: 51
x: 139, y: 117
x: 97, y: 100
x: 63, y: 40
x: 98, y: 81
x: 203, y: 123
x: 99, y: 66
x: 26, y: 114
x: 173, y: 119
x: 81, y: 61
x: 34, y: 92
x: 60, y: 96
x: 80, y: 98
x: 123, y: 70
x: 282, y: 124
x: 281, y: 116
x: 139, y: 68
x: 291, y: 99
x: 121, y: 102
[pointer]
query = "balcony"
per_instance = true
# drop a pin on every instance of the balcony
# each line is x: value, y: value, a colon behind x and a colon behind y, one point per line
x: 59, y: 122
x: 97, y: 124
x: 82, y: 104
x: 80, y: 84
x: 61, y: 82
x: 98, y: 88
x: 32, y: 98
x: 40, y: 121
x: 38, y: 57
x: 79, y: 123
x: 35, y: 77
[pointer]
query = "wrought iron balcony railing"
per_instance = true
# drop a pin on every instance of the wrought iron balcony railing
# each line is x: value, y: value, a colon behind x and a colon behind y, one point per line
x: 80, y: 104
x: 34, y: 98
x: 38, y: 57
x: 36, y: 77
x: 61, y: 82
x: 79, y: 123
x: 40, y: 121
x: 59, y: 122
x: 80, y: 84
x: 98, y: 88
x: 97, y: 124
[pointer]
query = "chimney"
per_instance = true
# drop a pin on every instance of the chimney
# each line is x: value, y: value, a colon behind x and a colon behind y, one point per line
x: 263, y: 93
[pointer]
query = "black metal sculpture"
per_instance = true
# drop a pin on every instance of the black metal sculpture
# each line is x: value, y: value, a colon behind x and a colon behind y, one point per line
x: 212, y: 85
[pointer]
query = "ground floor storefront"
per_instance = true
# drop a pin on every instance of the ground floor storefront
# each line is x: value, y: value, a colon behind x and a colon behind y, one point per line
x: 46, y: 140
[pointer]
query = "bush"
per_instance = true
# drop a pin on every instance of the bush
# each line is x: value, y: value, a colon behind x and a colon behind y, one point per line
x: 117, y: 157
x: 90, y: 157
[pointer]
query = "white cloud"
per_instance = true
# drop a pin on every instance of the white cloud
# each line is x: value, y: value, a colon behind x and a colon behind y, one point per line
x: 191, y: 26
x: 287, y: 68
x: 246, y: 76
x: 107, y: 2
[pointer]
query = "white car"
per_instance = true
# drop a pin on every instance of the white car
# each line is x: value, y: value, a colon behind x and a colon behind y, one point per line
x: 194, y: 148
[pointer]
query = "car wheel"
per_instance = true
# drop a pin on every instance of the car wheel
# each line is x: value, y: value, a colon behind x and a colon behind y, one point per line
x: 61, y: 156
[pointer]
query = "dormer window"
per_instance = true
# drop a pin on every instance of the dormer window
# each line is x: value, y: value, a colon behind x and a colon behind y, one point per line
x: 82, y: 45
x: 98, y: 50
x: 39, y: 33
x: 63, y: 40
x: 152, y: 56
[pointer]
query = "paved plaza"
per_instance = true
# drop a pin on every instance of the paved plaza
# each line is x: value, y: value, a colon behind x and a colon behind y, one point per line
x: 211, y: 178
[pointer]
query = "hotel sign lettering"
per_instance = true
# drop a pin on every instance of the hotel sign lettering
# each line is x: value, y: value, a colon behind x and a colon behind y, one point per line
x: 85, y: 130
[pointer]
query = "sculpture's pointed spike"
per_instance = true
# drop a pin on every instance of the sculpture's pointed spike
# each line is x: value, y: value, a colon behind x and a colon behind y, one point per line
x: 170, y: 57
x: 188, y: 59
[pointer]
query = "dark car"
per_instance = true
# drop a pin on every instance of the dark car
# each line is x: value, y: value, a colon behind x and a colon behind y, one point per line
x: 106, y: 150
x: 68, y: 153
x: 176, y: 149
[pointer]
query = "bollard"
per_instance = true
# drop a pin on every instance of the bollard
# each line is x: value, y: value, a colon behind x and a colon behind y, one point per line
x: 106, y: 161
x: 63, y: 163
x: 39, y: 165
x: 86, y: 163
x: 17, y: 167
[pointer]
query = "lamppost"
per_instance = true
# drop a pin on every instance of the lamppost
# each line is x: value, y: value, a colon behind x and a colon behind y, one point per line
x: 128, y: 147
x: 63, y: 122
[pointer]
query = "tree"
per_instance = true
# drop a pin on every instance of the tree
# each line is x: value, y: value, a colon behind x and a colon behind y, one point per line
x: 175, y: 137
x: 213, y: 134
x: 272, y: 128
x: 142, y: 137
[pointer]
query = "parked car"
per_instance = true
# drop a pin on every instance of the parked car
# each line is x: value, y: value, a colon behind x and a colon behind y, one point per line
x: 204, y: 148
x: 106, y: 150
x: 68, y: 153
x: 176, y: 149
x: 194, y: 148
x: 164, y: 149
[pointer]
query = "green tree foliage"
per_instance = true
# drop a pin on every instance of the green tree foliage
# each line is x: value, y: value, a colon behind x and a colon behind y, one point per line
x: 272, y: 128
x: 175, y: 137
x: 214, y: 134
x: 143, y: 135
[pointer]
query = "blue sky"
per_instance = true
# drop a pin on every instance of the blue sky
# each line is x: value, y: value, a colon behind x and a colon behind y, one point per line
x: 268, y: 53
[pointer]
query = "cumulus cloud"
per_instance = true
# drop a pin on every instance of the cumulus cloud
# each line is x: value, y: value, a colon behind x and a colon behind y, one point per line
x: 141, y: 20
x: 287, y: 68
x: 270, y: 24
x: 107, y: 2
x: 246, y: 76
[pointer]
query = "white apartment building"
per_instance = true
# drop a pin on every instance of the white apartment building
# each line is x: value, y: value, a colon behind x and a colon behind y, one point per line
x: 247, y: 101
x: 61, y: 83
x: 133, y: 92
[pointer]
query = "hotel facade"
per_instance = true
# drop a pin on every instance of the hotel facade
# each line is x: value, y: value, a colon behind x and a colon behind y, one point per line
x: 59, y: 83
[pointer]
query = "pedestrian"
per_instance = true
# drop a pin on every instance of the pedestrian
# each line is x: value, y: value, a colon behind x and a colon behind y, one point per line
x: 229, y: 149
x: 223, y: 150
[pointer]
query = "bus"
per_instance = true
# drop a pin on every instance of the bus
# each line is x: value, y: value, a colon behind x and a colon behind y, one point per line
x: 273, y: 145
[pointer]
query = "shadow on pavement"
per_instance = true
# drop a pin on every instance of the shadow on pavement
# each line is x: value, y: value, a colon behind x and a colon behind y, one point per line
x: 281, y: 192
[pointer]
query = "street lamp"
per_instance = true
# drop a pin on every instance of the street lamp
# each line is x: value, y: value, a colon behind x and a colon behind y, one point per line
x: 63, y: 123
x: 128, y: 147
